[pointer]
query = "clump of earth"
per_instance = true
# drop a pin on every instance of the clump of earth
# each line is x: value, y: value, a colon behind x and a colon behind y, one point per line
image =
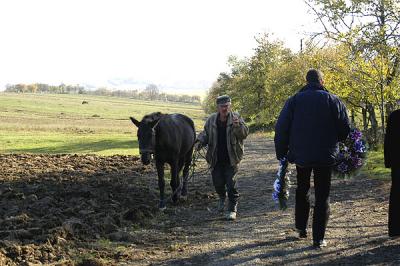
x: 50, y: 203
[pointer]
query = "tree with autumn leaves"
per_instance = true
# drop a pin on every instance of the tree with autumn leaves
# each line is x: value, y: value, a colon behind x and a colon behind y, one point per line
x: 360, y: 59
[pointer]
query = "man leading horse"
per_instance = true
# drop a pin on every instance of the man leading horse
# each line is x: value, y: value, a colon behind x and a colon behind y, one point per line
x: 224, y: 132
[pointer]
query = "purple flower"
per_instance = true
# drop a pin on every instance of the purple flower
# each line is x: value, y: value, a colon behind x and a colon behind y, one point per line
x: 357, y: 162
x: 342, y: 167
x: 359, y: 146
x: 346, y: 155
x: 355, y: 135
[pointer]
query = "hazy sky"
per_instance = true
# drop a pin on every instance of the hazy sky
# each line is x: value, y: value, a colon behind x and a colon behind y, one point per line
x: 179, y: 45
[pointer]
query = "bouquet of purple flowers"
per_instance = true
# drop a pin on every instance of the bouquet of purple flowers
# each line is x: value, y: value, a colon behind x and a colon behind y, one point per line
x: 351, y: 156
x: 281, y: 185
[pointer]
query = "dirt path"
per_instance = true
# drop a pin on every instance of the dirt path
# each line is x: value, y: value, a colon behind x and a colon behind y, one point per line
x: 61, y: 210
x: 356, y: 234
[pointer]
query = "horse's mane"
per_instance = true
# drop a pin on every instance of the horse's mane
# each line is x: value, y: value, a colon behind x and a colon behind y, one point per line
x: 153, y: 117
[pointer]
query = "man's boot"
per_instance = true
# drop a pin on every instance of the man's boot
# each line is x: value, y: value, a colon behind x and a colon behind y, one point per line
x: 302, y: 233
x: 319, y: 244
x: 231, y: 216
x: 232, y: 209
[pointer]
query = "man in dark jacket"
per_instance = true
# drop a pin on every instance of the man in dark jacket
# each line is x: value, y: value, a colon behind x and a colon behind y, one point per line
x: 392, y: 160
x: 307, y: 132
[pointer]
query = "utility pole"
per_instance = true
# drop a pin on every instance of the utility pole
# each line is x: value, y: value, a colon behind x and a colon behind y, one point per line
x: 301, y: 46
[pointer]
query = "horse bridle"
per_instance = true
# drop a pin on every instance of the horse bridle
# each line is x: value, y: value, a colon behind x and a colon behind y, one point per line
x: 153, y: 140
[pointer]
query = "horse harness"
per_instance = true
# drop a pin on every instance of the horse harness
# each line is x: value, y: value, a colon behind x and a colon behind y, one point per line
x: 153, y: 140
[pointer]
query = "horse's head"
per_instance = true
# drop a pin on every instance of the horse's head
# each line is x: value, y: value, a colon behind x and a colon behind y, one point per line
x: 146, y: 135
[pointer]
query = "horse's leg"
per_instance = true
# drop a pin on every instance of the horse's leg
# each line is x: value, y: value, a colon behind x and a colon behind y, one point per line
x: 175, y: 181
x: 161, y: 184
x: 188, y: 161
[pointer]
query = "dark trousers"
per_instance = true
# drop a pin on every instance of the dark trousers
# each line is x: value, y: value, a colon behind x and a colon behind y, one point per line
x: 394, y: 204
x: 224, y: 180
x: 322, y: 185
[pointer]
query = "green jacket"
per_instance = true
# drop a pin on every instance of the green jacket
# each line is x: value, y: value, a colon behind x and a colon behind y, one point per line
x: 234, y: 136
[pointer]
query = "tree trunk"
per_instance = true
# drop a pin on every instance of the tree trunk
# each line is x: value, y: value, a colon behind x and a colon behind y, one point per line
x: 389, y: 107
x: 352, y: 117
x: 372, y: 136
x: 382, y: 110
x: 365, y: 119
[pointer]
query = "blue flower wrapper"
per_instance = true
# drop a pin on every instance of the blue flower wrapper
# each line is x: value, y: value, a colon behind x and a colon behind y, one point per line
x: 282, y: 185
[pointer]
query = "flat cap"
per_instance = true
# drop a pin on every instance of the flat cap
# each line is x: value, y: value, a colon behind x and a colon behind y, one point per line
x: 223, y: 99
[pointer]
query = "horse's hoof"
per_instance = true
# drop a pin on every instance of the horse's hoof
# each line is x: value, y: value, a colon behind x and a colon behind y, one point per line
x: 184, y: 198
x: 184, y: 193
x: 175, y: 199
x: 162, y: 206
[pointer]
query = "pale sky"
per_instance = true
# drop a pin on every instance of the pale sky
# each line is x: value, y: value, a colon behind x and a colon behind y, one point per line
x: 179, y: 45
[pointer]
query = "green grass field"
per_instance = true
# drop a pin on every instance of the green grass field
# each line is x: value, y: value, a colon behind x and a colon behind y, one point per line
x: 51, y: 123
x: 54, y: 123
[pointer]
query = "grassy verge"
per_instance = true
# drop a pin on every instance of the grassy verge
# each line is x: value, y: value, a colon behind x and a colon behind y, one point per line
x: 265, y: 134
x: 375, y: 167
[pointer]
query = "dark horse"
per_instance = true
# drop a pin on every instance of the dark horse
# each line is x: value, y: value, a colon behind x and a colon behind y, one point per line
x: 170, y: 138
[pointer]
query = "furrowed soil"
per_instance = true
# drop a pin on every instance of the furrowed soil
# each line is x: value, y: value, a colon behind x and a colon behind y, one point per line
x: 93, y: 210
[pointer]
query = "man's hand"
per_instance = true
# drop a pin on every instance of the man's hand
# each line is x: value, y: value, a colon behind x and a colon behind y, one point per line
x: 235, y: 119
x: 197, y: 145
